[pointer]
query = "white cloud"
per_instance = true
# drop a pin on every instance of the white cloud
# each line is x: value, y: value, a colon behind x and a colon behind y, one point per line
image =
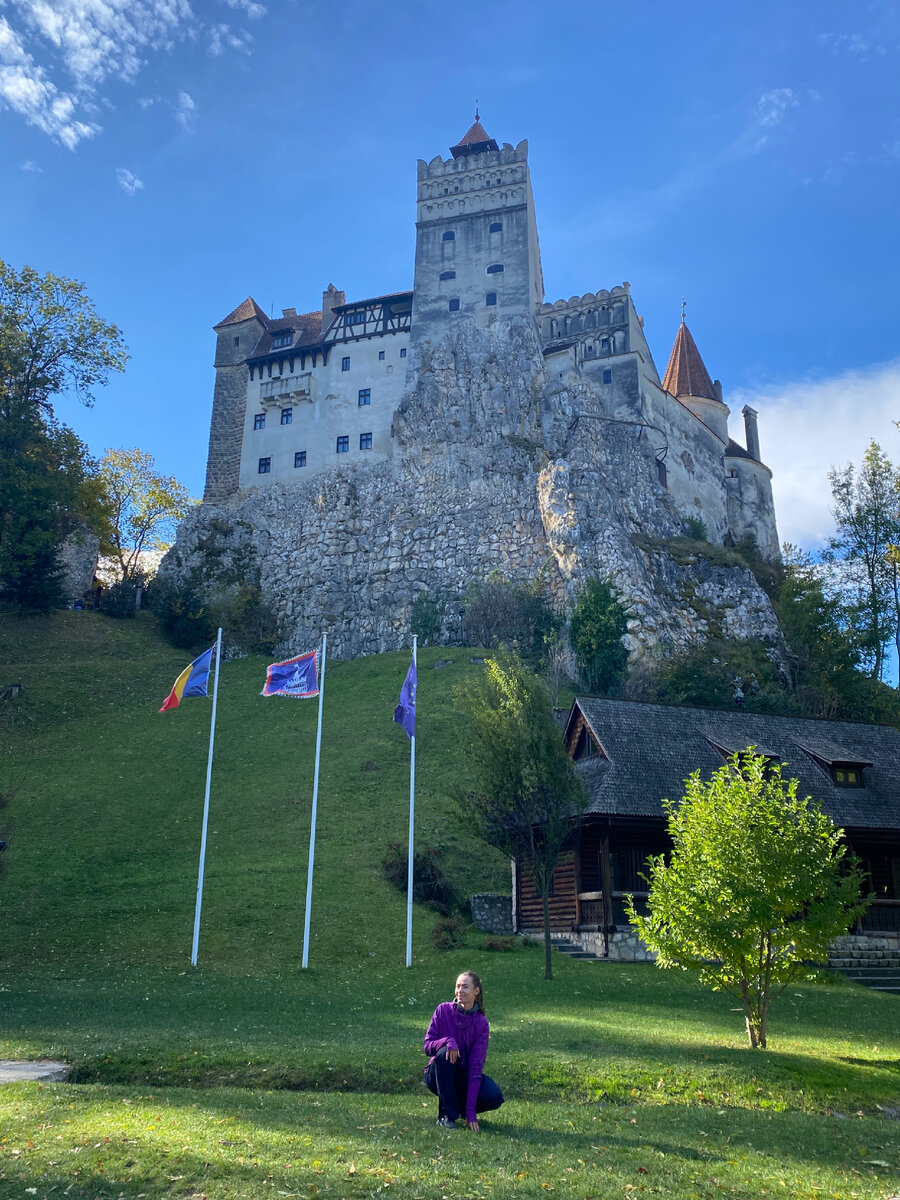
x: 772, y: 107
x: 90, y: 43
x: 859, y: 44
x: 184, y: 110
x: 130, y: 184
x: 30, y: 166
x: 809, y: 426
x: 253, y: 10
x: 223, y: 37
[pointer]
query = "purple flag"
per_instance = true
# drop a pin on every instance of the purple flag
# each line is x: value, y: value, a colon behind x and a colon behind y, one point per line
x: 405, y: 712
x: 293, y: 677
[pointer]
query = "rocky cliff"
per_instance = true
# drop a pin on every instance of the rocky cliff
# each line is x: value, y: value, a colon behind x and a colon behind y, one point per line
x: 497, y: 465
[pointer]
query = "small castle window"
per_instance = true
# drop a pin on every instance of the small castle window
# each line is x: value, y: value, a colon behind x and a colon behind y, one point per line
x: 380, y: 355
x: 403, y: 352
x: 448, y: 235
x: 589, y: 351
x: 343, y: 445
x: 259, y: 421
x: 345, y: 364
x: 496, y: 227
x: 454, y: 305
x: 281, y: 339
x: 495, y: 268
x: 236, y: 342
x: 447, y: 275
x: 490, y: 298
x: 356, y: 318
x: 300, y: 458
x: 287, y: 416
x: 365, y: 441
x: 365, y: 396
x: 662, y: 474
x: 607, y: 376
x: 265, y: 466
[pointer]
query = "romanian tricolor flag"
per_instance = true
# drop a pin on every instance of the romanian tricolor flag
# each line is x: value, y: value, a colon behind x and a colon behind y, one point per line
x: 193, y: 681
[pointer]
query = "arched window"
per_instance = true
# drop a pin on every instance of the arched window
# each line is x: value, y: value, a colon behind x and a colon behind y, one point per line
x: 496, y: 227
x: 495, y: 269
x: 448, y: 235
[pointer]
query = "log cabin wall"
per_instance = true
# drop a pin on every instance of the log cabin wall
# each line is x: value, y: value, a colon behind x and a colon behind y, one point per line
x: 563, y: 890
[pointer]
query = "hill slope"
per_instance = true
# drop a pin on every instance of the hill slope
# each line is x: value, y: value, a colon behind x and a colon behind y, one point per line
x: 105, y: 800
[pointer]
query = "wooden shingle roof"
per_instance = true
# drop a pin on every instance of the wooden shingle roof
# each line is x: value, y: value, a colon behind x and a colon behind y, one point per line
x: 648, y: 750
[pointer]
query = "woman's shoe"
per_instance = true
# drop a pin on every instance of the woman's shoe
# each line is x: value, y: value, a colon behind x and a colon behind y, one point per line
x: 446, y: 1123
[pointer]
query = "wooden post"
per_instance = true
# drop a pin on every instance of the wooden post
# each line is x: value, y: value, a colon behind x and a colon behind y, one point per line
x: 606, y: 884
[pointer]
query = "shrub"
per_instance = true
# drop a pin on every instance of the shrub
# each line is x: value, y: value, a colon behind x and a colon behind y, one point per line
x: 517, y: 615
x: 500, y: 943
x: 431, y: 886
x: 119, y: 600
x: 449, y: 933
x: 182, y: 614
x: 695, y: 527
x: 426, y: 616
x: 599, y: 623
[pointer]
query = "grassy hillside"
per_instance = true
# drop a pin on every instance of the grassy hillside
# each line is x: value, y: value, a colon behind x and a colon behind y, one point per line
x: 105, y: 802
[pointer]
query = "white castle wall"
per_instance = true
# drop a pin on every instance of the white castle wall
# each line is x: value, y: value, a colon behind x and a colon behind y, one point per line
x: 323, y: 402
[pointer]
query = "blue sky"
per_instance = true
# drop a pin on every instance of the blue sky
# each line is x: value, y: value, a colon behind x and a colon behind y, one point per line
x: 179, y: 156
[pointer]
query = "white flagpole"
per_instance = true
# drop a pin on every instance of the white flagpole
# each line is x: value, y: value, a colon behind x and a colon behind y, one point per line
x: 412, y: 818
x: 212, y: 738
x: 312, y: 824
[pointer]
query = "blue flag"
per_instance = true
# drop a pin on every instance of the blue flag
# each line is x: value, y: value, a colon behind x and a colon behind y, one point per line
x: 405, y: 712
x: 294, y: 677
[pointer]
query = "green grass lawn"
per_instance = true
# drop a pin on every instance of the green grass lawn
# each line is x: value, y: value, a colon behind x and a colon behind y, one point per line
x: 250, y: 1077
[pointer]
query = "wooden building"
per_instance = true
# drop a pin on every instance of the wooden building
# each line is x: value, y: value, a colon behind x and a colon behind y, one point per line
x: 633, y: 755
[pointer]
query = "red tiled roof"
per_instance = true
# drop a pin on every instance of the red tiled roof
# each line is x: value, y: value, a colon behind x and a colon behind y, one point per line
x: 476, y: 140
x: 244, y: 312
x: 686, y: 374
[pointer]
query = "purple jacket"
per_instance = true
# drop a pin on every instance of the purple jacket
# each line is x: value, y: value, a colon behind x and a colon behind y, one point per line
x: 467, y: 1032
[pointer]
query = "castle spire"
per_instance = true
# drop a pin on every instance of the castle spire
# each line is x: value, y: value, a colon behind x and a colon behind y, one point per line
x: 476, y: 141
x: 686, y: 374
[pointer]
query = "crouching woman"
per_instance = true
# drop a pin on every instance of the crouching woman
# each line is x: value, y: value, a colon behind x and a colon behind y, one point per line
x: 457, y: 1041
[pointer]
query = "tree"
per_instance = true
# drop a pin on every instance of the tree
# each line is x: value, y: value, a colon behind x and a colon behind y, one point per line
x: 866, y: 510
x: 599, y: 623
x: 51, y: 341
x: 527, y: 795
x: 144, y: 507
x: 758, y: 883
x: 517, y: 615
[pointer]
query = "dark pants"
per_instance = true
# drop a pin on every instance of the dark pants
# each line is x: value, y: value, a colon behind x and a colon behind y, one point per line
x: 450, y: 1081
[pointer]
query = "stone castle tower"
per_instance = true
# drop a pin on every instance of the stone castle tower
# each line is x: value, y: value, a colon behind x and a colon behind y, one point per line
x: 375, y: 449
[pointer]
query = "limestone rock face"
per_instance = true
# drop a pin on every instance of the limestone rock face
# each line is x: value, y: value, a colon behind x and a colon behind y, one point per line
x: 499, y: 463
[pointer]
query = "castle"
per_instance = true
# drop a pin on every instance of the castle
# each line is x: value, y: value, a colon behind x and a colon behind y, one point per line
x: 407, y: 445
x: 303, y: 393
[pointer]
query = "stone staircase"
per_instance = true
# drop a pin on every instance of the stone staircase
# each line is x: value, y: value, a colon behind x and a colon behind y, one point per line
x: 871, y: 961
x: 574, y: 950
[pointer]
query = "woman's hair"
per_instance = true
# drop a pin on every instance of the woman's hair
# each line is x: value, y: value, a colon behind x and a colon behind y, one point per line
x: 476, y: 983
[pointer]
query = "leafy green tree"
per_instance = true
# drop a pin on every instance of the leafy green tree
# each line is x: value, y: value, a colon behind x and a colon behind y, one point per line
x: 757, y: 884
x: 144, y: 507
x: 866, y: 510
x: 599, y: 623
x: 527, y: 794
x: 51, y: 341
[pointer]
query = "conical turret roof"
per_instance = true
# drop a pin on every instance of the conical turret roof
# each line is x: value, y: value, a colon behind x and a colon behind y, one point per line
x: 476, y: 141
x: 686, y: 374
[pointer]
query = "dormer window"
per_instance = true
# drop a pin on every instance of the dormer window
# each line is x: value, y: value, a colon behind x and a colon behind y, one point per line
x: 281, y: 339
x: 356, y: 318
x: 847, y: 775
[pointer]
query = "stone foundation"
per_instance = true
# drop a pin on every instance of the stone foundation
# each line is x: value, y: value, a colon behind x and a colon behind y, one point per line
x: 492, y: 913
x: 865, y: 950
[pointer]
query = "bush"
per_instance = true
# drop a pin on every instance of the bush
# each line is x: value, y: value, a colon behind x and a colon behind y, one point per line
x: 182, y: 614
x: 599, y: 623
x: 500, y: 944
x: 427, y: 616
x: 120, y: 600
x: 449, y: 933
x: 431, y: 885
x: 517, y: 615
x: 695, y: 527
x: 190, y: 619
x: 710, y: 676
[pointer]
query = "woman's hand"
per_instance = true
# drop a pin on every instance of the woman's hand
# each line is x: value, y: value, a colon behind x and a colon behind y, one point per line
x: 473, y: 1125
x: 453, y: 1055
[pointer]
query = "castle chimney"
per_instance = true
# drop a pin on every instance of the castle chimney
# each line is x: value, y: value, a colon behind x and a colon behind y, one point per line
x: 331, y: 298
x: 752, y: 432
x: 289, y: 312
